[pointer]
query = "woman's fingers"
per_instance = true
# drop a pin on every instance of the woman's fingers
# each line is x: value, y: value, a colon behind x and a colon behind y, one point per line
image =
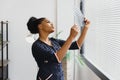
x: 87, y: 22
x: 74, y: 30
x: 76, y: 27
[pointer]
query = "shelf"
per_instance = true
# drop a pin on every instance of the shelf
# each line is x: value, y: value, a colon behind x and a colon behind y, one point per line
x: 4, y: 50
x: 4, y: 79
x: 4, y: 44
x: 5, y: 63
x: 4, y: 22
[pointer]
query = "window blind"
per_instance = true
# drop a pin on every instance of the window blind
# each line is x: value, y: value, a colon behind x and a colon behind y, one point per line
x: 102, y: 44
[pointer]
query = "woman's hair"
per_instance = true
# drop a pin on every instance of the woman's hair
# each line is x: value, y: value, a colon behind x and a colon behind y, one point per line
x: 33, y: 23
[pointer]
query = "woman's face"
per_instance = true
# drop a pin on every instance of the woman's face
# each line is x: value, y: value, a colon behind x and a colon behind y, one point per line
x: 46, y: 26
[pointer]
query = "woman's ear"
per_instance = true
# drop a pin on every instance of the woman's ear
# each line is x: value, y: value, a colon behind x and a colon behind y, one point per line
x: 40, y: 26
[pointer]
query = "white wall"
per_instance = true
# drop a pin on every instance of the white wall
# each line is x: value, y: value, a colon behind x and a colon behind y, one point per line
x: 22, y: 65
x: 65, y: 18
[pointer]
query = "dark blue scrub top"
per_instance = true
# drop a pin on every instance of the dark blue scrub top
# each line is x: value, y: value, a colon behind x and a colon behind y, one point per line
x: 44, y: 54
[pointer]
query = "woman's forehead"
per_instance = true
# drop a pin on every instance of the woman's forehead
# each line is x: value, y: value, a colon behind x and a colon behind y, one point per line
x: 46, y: 19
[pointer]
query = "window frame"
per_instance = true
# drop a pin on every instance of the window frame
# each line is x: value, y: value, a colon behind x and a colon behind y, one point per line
x: 90, y: 65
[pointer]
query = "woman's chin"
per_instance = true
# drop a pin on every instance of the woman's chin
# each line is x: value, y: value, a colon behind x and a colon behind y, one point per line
x: 52, y: 31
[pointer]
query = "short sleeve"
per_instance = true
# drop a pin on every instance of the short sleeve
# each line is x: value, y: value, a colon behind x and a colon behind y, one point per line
x: 43, y: 55
x: 72, y: 47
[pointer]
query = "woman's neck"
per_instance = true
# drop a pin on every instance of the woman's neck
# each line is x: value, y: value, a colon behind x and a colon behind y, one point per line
x: 44, y: 38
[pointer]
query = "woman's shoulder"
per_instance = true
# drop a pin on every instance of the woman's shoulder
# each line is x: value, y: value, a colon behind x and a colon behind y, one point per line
x: 55, y: 39
x: 36, y: 43
x: 52, y: 38
x: 58, y: 40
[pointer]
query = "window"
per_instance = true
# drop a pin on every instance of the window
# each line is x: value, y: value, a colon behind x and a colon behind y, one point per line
x: 103, y: 39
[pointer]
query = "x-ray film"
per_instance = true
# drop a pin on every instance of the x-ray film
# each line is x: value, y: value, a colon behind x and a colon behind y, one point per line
x: 79, y: 17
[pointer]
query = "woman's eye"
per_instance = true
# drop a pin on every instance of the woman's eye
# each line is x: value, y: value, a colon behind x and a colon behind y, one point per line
x: 48, y: 21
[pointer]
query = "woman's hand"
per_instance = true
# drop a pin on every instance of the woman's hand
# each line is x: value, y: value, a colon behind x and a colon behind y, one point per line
x: 74, y: 31
x: 83, y: 34
x: 62, y: 51
x: 87, y: 23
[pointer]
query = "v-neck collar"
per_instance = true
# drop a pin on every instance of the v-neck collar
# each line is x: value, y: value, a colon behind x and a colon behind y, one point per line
x: 46, y: 43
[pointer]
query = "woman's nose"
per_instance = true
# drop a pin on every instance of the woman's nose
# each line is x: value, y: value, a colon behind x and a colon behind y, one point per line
x: 51, y: 23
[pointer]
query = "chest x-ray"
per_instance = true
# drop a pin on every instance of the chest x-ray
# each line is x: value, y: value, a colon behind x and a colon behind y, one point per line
x: 79, y: 17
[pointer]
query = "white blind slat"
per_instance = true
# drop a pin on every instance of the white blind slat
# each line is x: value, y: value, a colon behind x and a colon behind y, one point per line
x: 102, y: 44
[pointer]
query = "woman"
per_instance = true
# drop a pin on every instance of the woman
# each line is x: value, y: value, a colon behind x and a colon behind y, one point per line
x: 49, y: 52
